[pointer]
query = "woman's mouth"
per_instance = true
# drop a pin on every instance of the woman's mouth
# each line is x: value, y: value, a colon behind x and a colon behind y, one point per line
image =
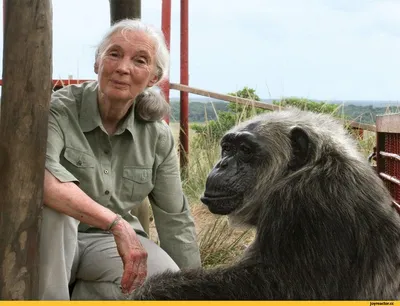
x: 119, y: 83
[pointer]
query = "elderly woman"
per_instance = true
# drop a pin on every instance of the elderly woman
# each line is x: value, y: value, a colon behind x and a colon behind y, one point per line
x: 107, y: 150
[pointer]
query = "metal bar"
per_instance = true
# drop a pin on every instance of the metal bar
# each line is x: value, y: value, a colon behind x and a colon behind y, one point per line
x: 396, y: 205
x: 166, y: 28
x: 390, y: 178
x: 184, y: 107
x: 62, y: 82
x: 390, y: 155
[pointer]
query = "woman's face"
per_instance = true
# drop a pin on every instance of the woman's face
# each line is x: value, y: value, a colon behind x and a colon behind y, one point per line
x: 126, y: 66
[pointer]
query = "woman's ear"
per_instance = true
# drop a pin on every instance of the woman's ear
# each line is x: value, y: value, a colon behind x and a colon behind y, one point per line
x: 153, y: 81
x: 96, y: 67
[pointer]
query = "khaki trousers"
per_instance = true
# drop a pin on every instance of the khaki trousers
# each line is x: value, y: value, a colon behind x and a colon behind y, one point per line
x: 90, y: 260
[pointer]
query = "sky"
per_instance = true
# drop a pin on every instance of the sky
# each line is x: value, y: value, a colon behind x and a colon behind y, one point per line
x: 317, y: 49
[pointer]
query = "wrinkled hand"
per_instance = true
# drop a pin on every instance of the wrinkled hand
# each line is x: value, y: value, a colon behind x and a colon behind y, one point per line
x: 133, y: 255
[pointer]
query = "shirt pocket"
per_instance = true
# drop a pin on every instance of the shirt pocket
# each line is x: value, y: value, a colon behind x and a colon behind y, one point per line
x: 137, y: 183
x: 82, y: 166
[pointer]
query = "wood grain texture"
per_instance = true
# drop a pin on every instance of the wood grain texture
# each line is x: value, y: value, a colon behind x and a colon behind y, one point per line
x: 27, y: 72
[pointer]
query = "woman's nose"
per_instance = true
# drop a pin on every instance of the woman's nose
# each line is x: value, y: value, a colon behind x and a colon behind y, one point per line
x: 124, y: 65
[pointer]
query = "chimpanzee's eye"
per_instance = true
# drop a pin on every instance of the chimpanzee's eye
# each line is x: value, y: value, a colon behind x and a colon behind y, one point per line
x: 245, y: 148
x: 226, y: 147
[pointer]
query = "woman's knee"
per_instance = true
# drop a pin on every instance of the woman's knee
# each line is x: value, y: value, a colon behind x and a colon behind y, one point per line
x: 157, y: 260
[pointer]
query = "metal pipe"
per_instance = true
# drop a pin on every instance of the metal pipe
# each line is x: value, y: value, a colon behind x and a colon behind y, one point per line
x: 166, y: 28
x: 390, y: 155
x: 390, y: 178
x: 184, y: 96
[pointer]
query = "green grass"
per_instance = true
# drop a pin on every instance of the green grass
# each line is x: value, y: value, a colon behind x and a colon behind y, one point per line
x: 221, y: 244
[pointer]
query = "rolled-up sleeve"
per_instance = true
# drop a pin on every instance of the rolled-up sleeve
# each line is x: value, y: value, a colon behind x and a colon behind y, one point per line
x: 172, y: 216
x: 55, y: 145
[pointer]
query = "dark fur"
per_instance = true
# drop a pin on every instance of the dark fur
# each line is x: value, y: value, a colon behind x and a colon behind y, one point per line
x: 325, y: 225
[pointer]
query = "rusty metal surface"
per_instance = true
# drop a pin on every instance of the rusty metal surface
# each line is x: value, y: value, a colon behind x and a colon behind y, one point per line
x: 184, y: 96
x: 389, y: 123
x: 166, y: 29
x: 388, y: 152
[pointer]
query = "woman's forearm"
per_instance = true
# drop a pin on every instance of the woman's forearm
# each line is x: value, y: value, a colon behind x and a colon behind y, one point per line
x: 69, y: 199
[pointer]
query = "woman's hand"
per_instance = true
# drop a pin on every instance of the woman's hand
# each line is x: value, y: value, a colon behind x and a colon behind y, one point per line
x: 133, y: 255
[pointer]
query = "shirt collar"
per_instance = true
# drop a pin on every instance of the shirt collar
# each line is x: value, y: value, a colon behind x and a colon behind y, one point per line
x: 90, y: 119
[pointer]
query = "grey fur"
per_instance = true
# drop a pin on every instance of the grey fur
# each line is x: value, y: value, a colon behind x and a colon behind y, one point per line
x: 324, y: 231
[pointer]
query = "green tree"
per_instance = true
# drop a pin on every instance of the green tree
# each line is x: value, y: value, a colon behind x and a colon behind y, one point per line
x: 213, y: 130
x: 310, y: 105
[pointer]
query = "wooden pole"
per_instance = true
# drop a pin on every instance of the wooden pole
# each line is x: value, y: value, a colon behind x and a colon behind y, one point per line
x: 121, y: 9
x: 254, y: 103
x: 27, y: 72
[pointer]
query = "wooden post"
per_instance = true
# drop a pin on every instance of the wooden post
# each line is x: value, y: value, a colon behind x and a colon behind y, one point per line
x: 121, y: 9
x: 27, y: 72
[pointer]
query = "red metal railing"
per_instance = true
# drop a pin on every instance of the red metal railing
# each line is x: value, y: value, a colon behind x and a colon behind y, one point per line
x: 184, y: 105
x: 166, y: 28
x: 388, y: 153
x: 61, y: 82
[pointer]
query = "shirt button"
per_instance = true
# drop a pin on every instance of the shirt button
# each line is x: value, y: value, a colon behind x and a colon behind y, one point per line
x: 79, y: 163
x: 106, y: 151
x: 106, y: 171
x: 106, y: 192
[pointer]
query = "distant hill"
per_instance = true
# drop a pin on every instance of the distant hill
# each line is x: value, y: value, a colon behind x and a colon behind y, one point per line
x: 374, y: 103
x: 202, y: 109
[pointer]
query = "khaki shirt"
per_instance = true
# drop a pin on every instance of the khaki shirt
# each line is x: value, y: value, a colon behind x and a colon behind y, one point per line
x: 121, y: 170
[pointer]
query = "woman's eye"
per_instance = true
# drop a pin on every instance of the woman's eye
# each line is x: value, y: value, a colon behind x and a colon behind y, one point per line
x: 141, y: 60
x: 114, y: 54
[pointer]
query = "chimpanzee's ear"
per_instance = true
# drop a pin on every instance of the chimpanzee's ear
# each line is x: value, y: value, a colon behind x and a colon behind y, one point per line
x: 301, y: 148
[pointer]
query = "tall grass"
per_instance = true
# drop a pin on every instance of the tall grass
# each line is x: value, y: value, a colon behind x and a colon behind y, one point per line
x: 221, y: 244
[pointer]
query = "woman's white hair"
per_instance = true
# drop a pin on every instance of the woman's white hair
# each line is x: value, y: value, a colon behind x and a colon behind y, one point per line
x: 150, y: 105
x: 161, y: 49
